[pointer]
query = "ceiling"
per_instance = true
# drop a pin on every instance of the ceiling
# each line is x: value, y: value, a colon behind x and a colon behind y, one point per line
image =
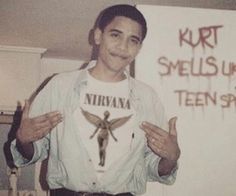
x: 62, y: 26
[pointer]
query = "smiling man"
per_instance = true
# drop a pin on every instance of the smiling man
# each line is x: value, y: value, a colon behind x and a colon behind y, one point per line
x: 104, y: 132
x: 119, y: 42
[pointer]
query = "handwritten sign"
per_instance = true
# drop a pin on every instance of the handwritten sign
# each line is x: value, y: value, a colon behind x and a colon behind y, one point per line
x: 196, y: 47
x: 189, y: 58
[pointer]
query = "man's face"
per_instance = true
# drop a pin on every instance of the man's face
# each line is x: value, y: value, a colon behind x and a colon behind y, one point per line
x: 119, y: 43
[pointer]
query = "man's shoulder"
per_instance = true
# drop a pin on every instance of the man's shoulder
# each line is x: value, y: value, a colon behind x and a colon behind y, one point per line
x: 68, y: 75
x: 65, y: 78
x: 144, y: 91
x: 141, y: 86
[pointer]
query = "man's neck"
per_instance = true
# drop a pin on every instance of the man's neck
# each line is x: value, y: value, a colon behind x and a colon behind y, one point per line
x: 105, y: 75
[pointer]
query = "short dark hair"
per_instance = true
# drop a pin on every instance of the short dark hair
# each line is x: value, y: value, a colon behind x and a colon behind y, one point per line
x: 128, y: 11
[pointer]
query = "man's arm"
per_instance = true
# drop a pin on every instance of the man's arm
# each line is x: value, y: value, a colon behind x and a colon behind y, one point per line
x: 26, y: 150
x: 33, y: 129
x: 165, y: 167
x: 163, y: 144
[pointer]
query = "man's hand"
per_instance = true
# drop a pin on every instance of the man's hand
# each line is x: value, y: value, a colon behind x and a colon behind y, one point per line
x: 161, y: 142
x: 33, y: 129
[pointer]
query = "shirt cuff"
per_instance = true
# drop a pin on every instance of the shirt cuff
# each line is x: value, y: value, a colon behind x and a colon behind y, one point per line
x: 18, y: 159
x: 167, y: 179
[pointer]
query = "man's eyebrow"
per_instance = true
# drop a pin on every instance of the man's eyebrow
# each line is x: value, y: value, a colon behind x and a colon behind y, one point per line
x: 115, y: 30
x: 133, y: 36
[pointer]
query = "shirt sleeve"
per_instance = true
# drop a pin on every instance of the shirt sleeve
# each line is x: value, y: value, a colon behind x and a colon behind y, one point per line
x: 152, y: 163
x: 40, y: 105
x: 40, y: 153
x: 152, y: 160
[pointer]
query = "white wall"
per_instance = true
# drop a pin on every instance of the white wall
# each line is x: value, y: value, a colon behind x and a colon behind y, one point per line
x: 23, y: 69
x: 206, y: 130
x: 19, y: 68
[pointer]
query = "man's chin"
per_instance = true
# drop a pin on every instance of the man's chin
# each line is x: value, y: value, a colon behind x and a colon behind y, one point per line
x: 117, y: 67
x: 120, y: 62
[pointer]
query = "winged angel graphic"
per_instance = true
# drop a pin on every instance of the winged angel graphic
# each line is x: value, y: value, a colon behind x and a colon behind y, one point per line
x: 106, y: 127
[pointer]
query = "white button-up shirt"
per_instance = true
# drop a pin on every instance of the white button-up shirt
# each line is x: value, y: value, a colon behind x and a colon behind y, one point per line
x: 69, y: 165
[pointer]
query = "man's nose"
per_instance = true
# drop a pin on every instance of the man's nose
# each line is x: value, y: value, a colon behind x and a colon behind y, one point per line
x: 123, y: 45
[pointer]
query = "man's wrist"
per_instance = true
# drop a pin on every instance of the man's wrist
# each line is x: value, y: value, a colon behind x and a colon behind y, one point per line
x: 166, y: 166
x: 25, y: 149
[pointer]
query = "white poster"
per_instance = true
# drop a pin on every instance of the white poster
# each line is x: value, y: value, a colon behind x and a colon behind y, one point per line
x: 189, y: 58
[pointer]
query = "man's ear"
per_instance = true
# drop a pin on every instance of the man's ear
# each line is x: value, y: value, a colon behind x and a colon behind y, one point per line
x: 97, y: 36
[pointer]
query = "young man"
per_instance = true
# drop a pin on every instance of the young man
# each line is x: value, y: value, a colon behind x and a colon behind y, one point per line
x: 103, y: 131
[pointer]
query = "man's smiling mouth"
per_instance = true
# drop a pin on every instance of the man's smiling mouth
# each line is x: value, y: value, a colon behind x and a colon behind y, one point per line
x: 123, y: 57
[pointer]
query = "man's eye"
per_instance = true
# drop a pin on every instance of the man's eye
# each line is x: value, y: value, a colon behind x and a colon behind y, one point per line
x: 135, y: 41
x: 115, y: 35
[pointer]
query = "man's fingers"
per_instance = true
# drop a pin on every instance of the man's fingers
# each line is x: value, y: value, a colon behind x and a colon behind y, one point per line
x: 172, y: 126
x: 25, y: 113
x: 33, y: 129
x: 42, y: 129
x: 50, y: 122
x: 156, y: 143
x: 150, y: 128
x: 155, y: 138
x: 52, y: 116
x: 162, y: 142
x: 158, y: 149
x: 40, y: 133
x: 43, y: 124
